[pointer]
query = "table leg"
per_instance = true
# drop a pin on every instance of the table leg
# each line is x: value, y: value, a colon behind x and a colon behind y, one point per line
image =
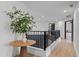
x: 23, y: 51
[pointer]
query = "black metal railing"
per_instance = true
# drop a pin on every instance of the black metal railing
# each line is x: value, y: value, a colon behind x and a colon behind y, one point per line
x: 43, y: 38
x: 40, y: 37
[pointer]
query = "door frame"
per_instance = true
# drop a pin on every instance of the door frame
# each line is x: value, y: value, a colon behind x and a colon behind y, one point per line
x: 71, y: 27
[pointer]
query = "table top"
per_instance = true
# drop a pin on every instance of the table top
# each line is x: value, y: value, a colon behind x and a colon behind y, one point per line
x: 20, y: 43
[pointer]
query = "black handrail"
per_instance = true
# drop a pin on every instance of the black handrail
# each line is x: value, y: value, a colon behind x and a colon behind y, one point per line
x: 43, y: 37
x: 41, y: 40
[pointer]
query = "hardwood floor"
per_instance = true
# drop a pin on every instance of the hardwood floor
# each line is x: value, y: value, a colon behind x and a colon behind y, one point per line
x: 63, y: 49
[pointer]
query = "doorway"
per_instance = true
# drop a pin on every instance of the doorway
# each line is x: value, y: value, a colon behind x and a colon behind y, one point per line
x: 69, y: 30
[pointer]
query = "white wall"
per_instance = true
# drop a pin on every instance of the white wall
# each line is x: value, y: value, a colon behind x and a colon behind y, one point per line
x: 60, y: 26
x: 41, y: 26
x: 76, y: 29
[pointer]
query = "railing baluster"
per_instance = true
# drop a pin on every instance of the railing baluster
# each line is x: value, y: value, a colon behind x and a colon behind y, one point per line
x: 41, y: 40
x: 44, y: 40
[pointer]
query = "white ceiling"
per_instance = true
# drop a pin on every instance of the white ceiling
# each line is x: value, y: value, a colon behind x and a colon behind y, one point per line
x: 52, y: 10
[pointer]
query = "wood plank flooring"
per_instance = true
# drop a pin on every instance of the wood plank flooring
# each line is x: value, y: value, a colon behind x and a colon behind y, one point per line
x: 63, y: 49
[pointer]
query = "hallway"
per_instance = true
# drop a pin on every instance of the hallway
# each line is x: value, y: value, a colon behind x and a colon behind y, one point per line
x: 63, y: 49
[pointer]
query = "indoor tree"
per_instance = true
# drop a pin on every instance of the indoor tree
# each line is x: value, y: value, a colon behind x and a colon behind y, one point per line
x: 21, y: 22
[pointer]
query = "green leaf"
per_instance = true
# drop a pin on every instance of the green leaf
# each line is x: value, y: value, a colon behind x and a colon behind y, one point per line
x: 20, y: 21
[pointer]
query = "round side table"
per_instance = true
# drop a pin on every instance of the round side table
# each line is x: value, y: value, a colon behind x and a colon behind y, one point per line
x: 23, y: 45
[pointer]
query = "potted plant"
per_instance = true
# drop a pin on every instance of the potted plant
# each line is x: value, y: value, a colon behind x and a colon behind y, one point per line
x: 21, y: 22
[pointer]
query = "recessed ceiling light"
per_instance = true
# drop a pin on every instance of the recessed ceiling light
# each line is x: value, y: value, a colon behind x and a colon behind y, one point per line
x: 65, y: 11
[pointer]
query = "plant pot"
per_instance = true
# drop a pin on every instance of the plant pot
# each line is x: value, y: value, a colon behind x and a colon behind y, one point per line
x: 24, y: 37
x: 21, y: 36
